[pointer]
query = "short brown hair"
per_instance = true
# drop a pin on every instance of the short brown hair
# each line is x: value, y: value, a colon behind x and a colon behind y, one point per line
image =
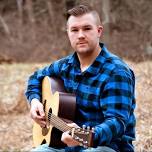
x: 82, y: 10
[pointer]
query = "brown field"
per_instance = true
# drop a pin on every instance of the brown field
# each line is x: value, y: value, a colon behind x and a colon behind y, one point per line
x: 16, y: 124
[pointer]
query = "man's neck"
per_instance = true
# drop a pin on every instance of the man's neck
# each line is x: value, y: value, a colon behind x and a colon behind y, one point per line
x: 87, y: 59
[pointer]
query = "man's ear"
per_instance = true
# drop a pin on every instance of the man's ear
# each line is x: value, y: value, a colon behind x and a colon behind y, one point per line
x: 100, y: 30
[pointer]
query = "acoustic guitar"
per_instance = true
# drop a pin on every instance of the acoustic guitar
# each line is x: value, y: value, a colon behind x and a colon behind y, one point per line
x: 59, y: 108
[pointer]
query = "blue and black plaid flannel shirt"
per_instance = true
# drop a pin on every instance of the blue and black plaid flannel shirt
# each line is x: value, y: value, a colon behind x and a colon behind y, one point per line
x: 104, y: 95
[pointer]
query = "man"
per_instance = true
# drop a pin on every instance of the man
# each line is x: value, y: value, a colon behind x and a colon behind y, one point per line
x: 102, y: 82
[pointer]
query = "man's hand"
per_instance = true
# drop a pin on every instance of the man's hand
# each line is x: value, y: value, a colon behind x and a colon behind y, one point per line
x: 37, y: 112
x: 67, y: 139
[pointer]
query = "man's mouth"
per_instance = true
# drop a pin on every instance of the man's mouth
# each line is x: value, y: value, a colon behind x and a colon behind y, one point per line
x: 81, y: 43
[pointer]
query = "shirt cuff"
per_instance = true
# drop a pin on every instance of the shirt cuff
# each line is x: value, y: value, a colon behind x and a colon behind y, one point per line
x: 95, y: 139
x: 34, y: 96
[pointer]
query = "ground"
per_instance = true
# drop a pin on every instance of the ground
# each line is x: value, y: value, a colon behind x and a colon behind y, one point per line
x: 15, y: 121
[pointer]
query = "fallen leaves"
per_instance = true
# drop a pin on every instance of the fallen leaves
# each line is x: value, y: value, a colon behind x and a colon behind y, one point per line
x: 16, y: 124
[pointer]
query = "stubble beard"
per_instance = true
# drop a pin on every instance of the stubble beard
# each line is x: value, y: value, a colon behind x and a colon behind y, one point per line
x: 84, y: 50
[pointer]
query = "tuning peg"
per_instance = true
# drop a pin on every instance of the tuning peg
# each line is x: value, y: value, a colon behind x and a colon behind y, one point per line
x: 80, y: 139
x: 88, y: 128
x: 85, y: 142
x: 92, y: 129
x: 76, y: 138
x: 84, y: 127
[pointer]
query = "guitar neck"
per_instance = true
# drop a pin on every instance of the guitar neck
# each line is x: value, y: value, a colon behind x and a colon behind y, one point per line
x: 58, y: 123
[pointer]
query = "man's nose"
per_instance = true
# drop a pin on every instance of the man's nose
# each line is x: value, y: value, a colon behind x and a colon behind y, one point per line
x: 81, y: 34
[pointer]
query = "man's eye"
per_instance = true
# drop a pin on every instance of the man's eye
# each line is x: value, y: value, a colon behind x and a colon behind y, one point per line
x: 87, y: 29
x: 74, y: 30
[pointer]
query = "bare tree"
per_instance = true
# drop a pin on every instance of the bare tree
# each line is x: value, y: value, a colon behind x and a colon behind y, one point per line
x: 6, y: 28
x: 20, y: 20
x: 29, y: 7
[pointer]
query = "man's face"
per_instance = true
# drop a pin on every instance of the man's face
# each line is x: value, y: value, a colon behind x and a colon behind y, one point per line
x: 84, y: 33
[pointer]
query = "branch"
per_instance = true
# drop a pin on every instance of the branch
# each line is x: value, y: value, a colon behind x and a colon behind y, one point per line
x: 5, y: 26
x: 20, y: 11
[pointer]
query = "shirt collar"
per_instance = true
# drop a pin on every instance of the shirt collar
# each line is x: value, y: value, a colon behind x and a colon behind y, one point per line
x: 74, y: 59
x: 96, y: 66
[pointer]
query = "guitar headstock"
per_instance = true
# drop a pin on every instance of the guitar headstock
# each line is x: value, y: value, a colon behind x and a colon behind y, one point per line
x: 83, y: 135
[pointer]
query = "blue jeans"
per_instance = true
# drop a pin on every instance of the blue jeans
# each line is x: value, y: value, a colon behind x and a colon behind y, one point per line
x: 46, y: 148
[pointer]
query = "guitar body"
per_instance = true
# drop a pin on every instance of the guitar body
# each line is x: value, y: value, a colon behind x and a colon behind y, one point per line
x: 57, y: 102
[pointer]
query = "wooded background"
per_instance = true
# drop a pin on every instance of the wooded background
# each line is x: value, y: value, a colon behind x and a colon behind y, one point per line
x: 34, y: 30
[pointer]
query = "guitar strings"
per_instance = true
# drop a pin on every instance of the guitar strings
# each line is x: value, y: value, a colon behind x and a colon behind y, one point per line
x: 60, y: 126
x: 59, y: 123
x: 56, y: 122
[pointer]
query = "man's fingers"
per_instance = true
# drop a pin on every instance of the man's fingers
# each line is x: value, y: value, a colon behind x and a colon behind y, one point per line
x: 35, y: 115
x: 73, y: 125
x: 37, y: 110
x: 41, y: 112
x: 66, y: 137
x: 40, y: 120
x: 41, y: 123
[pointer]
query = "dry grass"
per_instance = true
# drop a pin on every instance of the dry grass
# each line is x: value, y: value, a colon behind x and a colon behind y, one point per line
x: 15, y: 122
x: 143, y: 111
